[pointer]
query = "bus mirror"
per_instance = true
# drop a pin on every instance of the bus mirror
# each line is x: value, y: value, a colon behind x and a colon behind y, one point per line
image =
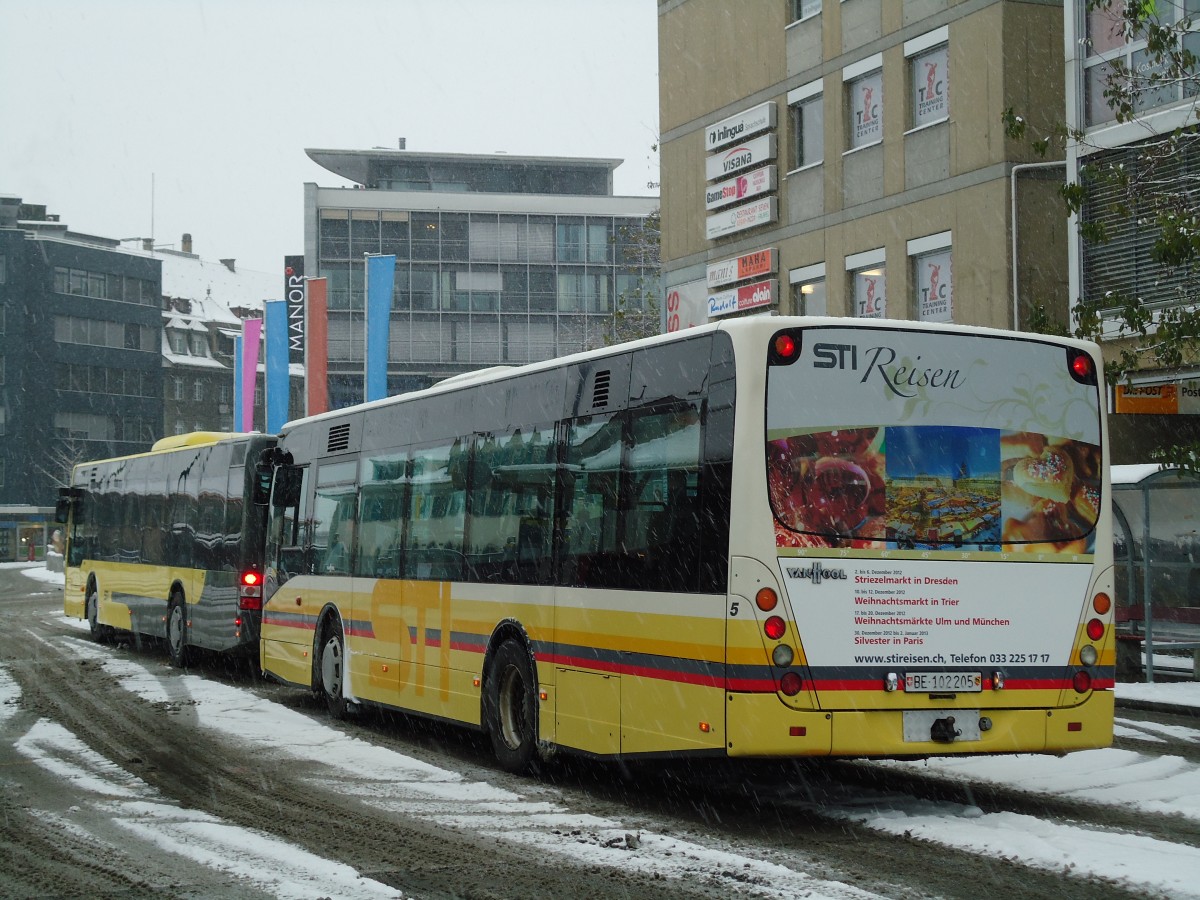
x: 287, y: 486
x: 262, y: 484
x: 67, y: 503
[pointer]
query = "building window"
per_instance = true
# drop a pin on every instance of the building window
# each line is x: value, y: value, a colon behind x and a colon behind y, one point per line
x: 929, y: 76
x: 178, y: 343
x: 199, y: 345
x: 570, y: 242
x: 2, y: 380
x: 864, y: 86
x: 1, y: 473
x: 180, y: 427
x: 808, y: 291
x: 934, y: 301
x: 198, y: 390
x: 3, y: 319
x: 223, y: 393
x: 868, y: 284
x: 178, y: 388
x: 3, y: 269
x: 807, y: 107
x: 1106, y: 49
x: 3, y: 420
x: 805, y: 9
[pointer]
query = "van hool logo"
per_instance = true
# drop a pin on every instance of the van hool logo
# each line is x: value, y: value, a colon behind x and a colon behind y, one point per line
x: 816, y: 573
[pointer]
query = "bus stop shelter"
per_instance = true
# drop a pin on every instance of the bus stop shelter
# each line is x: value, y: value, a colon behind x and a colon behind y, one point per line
x: 1156, y: 549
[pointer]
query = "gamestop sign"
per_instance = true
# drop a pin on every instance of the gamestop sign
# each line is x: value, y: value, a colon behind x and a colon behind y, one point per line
x: 742, y: 187
x: 750, y: 296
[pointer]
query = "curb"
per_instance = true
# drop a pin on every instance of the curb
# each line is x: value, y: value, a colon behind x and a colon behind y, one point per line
x: 1175, y: 709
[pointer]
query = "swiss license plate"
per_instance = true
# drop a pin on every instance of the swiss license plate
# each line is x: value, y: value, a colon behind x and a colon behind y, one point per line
x: 951, y: 682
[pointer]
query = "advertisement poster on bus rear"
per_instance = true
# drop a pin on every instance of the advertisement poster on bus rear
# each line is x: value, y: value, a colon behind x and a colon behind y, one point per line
x: 930, y: 492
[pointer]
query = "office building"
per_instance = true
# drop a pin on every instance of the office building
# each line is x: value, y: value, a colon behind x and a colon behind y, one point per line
x: 500, y: 260
x: 849, y: 158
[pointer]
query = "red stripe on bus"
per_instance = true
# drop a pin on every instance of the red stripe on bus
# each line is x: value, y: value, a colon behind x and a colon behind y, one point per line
x: 641, y: 671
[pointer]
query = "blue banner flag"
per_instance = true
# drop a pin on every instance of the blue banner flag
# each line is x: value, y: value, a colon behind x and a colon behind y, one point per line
x: 381, y: 276
x: 237, y: 383
x: 276, y: 327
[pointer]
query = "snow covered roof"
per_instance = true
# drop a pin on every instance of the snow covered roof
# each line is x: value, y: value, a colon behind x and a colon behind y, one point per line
x: 213, y: 288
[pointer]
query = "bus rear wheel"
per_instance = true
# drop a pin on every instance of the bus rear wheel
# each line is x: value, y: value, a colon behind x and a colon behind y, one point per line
x: 101, y: 634
x: 511, y: 707
x: 177, y: 645
x: 331, y: 671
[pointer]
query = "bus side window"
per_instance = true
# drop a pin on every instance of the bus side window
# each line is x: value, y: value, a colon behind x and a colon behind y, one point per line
x: 592, y: 554
x: 663, y: 527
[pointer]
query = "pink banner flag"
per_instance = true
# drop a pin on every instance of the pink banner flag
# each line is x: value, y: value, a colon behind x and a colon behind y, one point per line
x: 251, y: 336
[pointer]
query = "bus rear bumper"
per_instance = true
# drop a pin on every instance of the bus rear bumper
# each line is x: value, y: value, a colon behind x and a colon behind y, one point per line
x: 759, y: 725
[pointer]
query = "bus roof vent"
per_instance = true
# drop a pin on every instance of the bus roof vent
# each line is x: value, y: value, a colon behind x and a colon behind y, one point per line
x: 600, y: 390
x: 339, y: 438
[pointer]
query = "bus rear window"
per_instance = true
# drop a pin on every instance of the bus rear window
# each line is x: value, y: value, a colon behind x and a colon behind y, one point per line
x: 933, y: 487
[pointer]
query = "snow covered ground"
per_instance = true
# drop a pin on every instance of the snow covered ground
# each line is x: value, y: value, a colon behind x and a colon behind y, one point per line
x: 390, y: 780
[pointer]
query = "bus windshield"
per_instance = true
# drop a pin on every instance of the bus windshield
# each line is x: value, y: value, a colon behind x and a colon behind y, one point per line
x: 929, y: 442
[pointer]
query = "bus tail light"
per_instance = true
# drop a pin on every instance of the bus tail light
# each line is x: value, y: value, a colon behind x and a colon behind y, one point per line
x: 250, y: 590
x: 784, y: 348
x: 1081, y: 367
x: 1101, y: 603
x: 766, y: 599
x: 1095, y: 629
x: 1082, y: 682
x: 790, y: 684
x: 774, y: 627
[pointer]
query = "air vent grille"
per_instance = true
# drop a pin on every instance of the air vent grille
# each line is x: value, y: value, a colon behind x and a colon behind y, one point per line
x: 600, y: 390
x: 339, y: 438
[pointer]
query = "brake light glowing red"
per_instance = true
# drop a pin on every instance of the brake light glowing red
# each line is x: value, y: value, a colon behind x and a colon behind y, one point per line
x: 1082, y: 682
x: 774, y: 627
x: 785, y: 346
x: 250, y: 591
x: 1081, y: 365
x: 1095, y: 629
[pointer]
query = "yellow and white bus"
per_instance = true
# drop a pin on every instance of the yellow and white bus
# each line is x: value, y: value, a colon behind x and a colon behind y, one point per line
x: 768, y: 537
x: 168, y: 544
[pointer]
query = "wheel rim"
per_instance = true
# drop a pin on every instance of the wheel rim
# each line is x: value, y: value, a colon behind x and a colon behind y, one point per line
x: 512, y: 708
x: 92, y: 615
x: 175, y: 629
x: 331, y: 668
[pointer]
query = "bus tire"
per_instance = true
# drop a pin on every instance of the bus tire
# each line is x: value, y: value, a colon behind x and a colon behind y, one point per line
x: 177, y: 643
x: 101, y: 634
x: 511, y: 707
x: 331, y: 670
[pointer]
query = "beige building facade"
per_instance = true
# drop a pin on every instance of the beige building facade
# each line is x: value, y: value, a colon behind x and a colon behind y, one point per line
x: 852, y: 159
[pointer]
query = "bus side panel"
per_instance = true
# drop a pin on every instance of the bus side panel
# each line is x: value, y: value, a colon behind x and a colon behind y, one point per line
x: 670, y: 665
x: 75, y: 592
x: 289, y: 622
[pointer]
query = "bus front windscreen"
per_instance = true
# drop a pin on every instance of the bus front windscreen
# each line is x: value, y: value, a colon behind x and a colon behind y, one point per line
x: 911, y: 440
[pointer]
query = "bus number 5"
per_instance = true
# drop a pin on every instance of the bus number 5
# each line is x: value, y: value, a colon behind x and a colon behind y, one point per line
x: 733, y: 608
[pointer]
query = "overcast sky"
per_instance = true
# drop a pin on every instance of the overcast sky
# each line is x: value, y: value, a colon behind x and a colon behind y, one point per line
x: 139, y: 118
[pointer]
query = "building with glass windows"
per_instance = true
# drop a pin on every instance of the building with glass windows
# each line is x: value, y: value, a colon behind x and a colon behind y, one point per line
x: 848, y: 157
x: 1157, y: 154
x: 81, y: 373
x: 500, y: 260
